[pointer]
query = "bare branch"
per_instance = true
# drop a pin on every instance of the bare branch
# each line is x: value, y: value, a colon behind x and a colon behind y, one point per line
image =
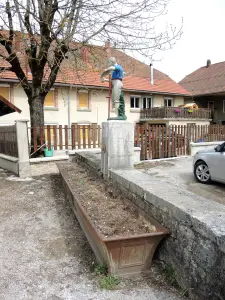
x: 50, y: 30
x: 59, y: 56
x: 11, y: 31
x: 19, y: 16
x: 27, y: 19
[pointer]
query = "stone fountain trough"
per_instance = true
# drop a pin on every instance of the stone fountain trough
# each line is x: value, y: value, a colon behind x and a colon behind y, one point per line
x: 123, y: 255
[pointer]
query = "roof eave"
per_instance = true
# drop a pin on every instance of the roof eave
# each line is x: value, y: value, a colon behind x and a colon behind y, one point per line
x: 208, y: 94
x: 125, y: 89
x: 10, y: 107
x: 105, y: 88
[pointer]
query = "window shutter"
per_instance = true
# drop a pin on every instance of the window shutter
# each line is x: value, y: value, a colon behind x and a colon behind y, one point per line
x: 4, y: 92
x: 49, y: 99
x: 83, y: 100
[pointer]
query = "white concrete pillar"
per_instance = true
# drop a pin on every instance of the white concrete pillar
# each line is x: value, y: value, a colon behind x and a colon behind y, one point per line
x: 117, y: 145
x: 23, y: 148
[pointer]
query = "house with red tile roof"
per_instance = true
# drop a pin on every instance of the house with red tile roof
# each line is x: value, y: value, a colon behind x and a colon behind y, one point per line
x: 78, y: 95
x: 207, y: 88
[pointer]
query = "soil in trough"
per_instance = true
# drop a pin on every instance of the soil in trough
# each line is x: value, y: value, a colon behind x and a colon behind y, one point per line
x: 112, y: 214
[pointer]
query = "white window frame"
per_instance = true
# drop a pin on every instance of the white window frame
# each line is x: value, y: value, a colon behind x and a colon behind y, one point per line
x: 224, y: 106
x: 168, y: 98
x: 140, y: 102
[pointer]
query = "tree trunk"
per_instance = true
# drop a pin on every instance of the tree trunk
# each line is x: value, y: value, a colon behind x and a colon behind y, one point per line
x: 36, y: 105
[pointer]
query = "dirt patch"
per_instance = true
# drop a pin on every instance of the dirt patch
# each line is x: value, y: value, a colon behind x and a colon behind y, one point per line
x: 153, y: 164
x: 112, y: 214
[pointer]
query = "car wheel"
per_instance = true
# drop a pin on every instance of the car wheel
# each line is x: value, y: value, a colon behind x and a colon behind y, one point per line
x: 202, y: 173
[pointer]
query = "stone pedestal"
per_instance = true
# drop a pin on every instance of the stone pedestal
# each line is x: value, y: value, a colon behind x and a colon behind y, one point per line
x: 23, y: 148
x: 117, y: 145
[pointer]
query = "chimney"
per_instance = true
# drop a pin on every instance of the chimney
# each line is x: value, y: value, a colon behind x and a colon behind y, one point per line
x: 108, y: 48
x: 152, y: 73
x: 17, y: 41
x: 84, y: 54
x: 208, y: 63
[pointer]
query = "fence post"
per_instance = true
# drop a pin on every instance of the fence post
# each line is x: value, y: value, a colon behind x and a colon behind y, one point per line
x: 23, y: 148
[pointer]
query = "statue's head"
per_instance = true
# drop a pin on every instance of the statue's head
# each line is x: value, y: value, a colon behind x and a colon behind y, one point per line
x: 111, y: 61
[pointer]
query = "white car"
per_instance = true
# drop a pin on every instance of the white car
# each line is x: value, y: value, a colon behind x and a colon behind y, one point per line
x: 209, y: 165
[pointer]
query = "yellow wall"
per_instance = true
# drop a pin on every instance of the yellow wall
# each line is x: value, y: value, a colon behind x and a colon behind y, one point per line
x: 178, y: 101
x: 158, y: 101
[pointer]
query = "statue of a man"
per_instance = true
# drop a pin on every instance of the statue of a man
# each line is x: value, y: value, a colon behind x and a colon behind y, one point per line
x: 117, y: 82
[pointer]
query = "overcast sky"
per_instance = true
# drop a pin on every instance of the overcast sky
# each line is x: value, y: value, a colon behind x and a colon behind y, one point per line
x: 202, y: 39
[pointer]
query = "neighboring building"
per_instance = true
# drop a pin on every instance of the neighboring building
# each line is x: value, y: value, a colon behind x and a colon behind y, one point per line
x: 207, y: 88
x: 80, y: 97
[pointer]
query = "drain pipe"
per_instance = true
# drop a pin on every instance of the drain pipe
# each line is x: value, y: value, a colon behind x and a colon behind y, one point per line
x: 97, y: 114
x: 68, y: 103
x: 152, y: 73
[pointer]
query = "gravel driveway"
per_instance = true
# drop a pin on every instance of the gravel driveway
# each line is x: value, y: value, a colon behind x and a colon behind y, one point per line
x: 44, y: 254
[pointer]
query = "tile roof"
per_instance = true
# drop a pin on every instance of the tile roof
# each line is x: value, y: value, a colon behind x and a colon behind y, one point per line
x: 89, y: 70
x: 206, y: 80
x: 132, y: 83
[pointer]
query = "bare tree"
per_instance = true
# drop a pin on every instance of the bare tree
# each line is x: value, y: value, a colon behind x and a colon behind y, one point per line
x: 50, y: 29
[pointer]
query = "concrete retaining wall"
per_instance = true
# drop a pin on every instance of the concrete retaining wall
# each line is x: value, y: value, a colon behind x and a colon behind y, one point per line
x: 19, y: 166
x: 9, y: 163
x: 195, y: 147
x: 196, y: 246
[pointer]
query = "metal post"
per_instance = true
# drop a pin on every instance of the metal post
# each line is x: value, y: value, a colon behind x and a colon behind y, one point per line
x: 109, y: 95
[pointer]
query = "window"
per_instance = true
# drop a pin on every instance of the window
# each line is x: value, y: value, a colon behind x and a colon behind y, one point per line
x: 211, y: 105
x: 83, y: 99
x: 224, y: 106
x: 4, y: 92
x: 146, y: 102
x: 50, y: 99
x: 135, y: 102
x: 140, y: 102
x: 168, y: 102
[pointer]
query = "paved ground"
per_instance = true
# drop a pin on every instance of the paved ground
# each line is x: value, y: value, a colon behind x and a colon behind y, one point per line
x: 179, y: 172
x: 44, y: 254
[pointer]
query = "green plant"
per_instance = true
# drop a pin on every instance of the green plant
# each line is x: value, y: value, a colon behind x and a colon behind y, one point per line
x: 170, y: 274
x: 184, y: 293
x: 109, y: 282
x: 105, y: 281
x: 99, y: 269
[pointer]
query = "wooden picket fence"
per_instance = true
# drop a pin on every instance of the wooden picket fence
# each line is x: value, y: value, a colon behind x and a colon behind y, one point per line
x: 155, y: 141
x: 61, y: 137
x: 171, y: 141
x: 8, y: 141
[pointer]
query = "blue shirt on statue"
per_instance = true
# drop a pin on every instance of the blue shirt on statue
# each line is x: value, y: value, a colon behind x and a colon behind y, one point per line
x: 118, y: 72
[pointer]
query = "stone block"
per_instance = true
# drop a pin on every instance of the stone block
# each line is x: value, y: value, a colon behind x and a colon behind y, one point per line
x: 117, y: 145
